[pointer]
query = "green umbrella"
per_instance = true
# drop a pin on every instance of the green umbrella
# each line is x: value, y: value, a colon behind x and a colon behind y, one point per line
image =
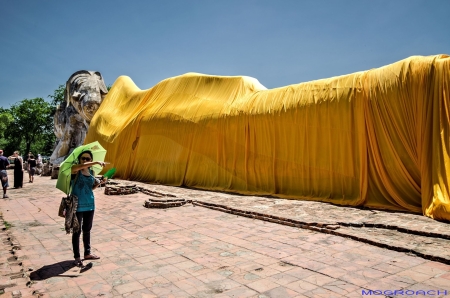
x: 65, y: 169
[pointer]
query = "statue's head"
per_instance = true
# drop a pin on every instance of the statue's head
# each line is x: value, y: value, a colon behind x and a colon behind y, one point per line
x: 85, y: 90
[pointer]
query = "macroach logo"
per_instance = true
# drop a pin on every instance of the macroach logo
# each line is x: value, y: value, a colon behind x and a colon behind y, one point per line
x: 404, y: 292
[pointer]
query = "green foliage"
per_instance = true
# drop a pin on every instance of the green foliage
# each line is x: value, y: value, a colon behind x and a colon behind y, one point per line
x: 58, y: 96
x: 5, y: 120
x: 7, y: 225
x: 31, y: 126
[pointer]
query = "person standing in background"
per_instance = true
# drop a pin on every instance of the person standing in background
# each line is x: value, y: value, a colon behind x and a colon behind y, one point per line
x: 31, y: 167
x: 4, y: 164
x: 39, y: 165
x: 26, y: 158
x: 18, y: 169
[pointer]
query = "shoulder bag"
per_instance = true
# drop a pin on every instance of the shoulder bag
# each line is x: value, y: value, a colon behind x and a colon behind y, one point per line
x: 66, y: 202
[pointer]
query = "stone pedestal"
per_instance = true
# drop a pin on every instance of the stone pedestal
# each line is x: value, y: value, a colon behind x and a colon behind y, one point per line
x: 47, y: 169
x: 55, y: 172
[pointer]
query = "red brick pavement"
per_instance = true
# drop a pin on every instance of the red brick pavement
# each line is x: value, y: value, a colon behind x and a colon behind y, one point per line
x: 195, y: 252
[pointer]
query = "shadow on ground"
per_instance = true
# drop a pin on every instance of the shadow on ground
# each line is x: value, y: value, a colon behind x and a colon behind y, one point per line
x: 57, y: 269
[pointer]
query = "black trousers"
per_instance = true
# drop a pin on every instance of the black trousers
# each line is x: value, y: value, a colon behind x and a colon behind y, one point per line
x: 85, y: 220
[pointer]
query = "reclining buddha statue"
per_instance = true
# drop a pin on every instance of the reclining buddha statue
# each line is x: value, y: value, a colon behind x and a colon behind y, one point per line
x: 378, y: 138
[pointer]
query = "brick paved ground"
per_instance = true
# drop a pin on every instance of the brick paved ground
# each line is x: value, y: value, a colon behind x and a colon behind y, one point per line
x: 198, y: 252
x: 414, y: 233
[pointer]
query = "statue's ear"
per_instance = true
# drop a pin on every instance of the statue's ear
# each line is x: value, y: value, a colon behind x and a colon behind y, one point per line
x: 101, y: 83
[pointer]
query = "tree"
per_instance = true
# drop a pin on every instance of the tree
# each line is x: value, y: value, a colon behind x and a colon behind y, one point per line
x: 5, y: 120
x: 32, y: 123
x: 58, y: 96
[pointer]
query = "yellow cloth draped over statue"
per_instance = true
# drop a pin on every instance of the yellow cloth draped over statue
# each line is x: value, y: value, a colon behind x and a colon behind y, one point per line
x: 377, y: 138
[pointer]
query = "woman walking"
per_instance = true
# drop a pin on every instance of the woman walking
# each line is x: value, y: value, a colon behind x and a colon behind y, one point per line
x: 18, y: 169
x: 83, y: 183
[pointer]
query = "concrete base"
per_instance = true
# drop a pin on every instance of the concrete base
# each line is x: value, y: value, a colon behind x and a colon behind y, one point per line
x: 55, y: 172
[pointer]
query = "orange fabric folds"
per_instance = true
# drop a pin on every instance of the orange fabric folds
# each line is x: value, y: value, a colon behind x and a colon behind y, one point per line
x: 377, y: 138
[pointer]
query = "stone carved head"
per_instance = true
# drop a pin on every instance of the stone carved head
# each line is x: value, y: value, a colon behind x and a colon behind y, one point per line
x: 85, y: 90
x: 84, y: 94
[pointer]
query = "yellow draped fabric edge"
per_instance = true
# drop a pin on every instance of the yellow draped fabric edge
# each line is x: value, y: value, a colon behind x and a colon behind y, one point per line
x: 377, y: 138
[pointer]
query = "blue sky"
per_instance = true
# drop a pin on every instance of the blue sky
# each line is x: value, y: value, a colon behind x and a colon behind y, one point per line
x: 278, y: 42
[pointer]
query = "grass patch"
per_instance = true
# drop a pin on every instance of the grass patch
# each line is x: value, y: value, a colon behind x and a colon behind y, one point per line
x: 7, y: 225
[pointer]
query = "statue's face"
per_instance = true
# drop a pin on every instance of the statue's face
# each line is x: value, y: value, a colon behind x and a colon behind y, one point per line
x: 87, y: 95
